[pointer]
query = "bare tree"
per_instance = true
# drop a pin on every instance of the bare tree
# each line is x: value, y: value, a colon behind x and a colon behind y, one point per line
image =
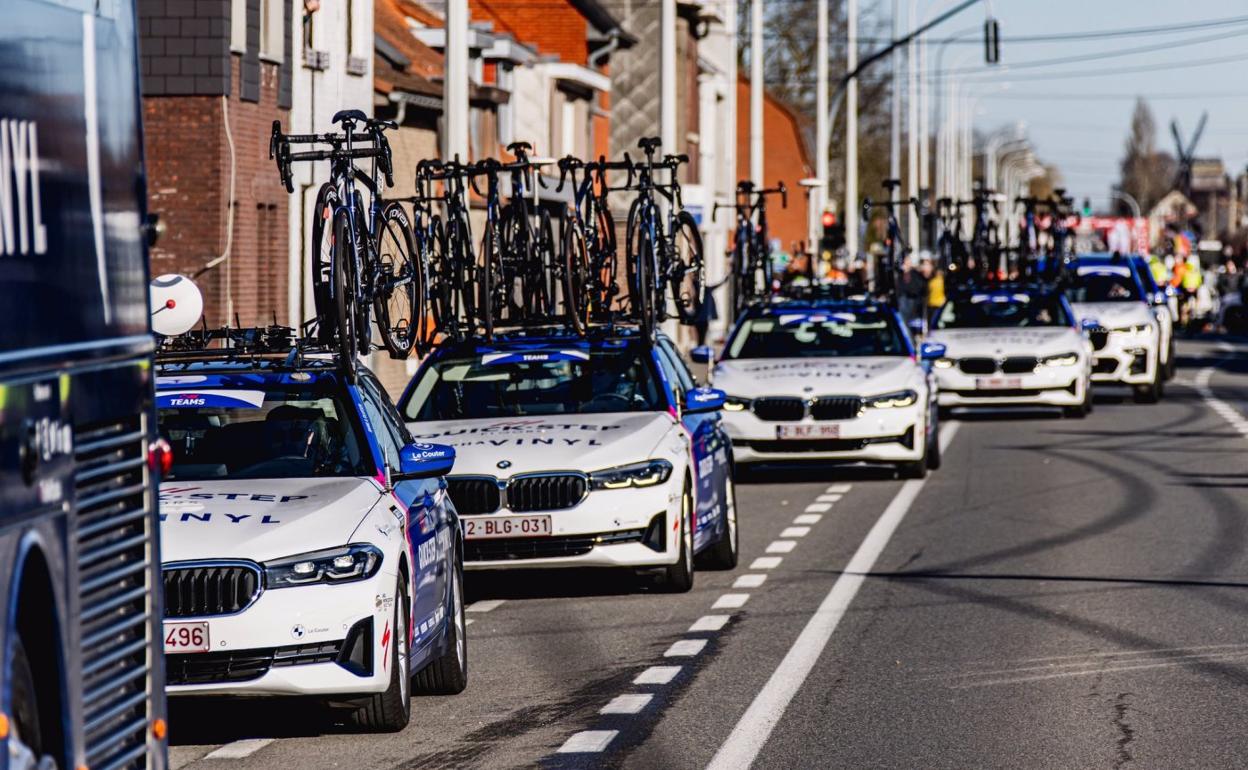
x: 1146, y: 172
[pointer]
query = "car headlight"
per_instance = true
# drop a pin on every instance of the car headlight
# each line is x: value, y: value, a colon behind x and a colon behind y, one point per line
x: 1061, y: 359
x: 944, y: 363
x: 892, y: 400
x: 345, y: 564
x: 645, y: 474
x: 1134, y: 330
x: 736, y: 404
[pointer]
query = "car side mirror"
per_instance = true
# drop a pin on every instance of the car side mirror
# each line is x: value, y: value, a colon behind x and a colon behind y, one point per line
x: 423, y: 461
x: 702, y: 354
x: 704, y: 400
x: 930, y: 351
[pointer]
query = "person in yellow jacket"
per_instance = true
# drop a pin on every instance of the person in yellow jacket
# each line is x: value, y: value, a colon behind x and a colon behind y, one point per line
x: 1190, y: 279
x: 1157, y: 266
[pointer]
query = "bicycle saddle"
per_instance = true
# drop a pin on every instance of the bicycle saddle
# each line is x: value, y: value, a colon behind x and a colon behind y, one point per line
x: 354, y: 115
x: 514, y: 146
x: 649, y: 143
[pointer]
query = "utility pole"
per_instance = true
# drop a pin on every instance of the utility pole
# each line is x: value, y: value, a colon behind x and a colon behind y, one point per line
x: 851, y: 131
x: 912, y: 130
x: 894, y: 145
x: 756, y: 91
x: 667, y: 76
x: 455, y: 87
x: 817, y: 196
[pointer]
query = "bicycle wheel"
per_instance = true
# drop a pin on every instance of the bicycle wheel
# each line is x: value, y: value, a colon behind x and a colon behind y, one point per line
x: 576, y: 277
x: 742, y: 287
x: 363, y: 286
x: 486, y: 266
x: 461, y: 271
x: 631, y: 236
x: 342, y: 289
x: 441, y: 312
x: 688, y: 275
x: 401, y: 294
x: 547, y: 264
x: 606, y: 264
x: 322, y: 262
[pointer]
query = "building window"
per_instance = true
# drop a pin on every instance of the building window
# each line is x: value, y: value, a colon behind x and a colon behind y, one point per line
x: 350, y: 27
x: 238, y: 26
x: 272, y: 23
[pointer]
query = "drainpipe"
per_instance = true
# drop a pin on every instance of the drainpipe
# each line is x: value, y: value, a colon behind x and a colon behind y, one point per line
x: 595, y: 58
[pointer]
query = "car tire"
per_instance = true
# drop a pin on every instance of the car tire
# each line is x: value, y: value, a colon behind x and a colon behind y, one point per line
x: 913, y: 470
x: 1171, y: 367
x: 933, y: 449
x: 1150, y: 393
x: 390, y: 711
x: 726, y: 552
x: 25, y: 737
x: 1081, y: 410
x: 448, y: 674
x: 678, y: 577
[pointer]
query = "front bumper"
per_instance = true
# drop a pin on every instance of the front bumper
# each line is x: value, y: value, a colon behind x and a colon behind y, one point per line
x: 1129, y: 359
x: 632, y: 527
x: 309, y: 640
x: 876, y: 435
x: 1046, y: 386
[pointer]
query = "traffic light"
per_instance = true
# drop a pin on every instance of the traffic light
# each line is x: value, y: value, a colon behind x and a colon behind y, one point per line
x: 1087, y: 207
x: 833, y: 233
x: 992, y: 41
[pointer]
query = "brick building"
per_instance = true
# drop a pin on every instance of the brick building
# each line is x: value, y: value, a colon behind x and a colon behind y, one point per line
x: 216, y: 73
x: 788, y: 160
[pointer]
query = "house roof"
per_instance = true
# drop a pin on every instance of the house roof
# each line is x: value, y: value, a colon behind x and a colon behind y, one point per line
x: 404, y: 63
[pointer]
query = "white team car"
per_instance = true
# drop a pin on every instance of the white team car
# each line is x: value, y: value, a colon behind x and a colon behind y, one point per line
x: 828, y: 380
x: 1012, y: 345
x: 307, y: 545
x: 576, y: 452
x: 1127, y: 339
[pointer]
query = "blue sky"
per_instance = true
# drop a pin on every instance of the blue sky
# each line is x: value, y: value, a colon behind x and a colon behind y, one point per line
x: 1080, y: 123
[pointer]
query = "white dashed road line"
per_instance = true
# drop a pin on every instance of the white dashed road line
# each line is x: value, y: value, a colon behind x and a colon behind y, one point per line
x: 751, y: 733
x: 627, y: 704
x: 766, y: 562
x: 795, y: 532
x: 828, y: 498
x: 484, y: 606
x: 239, y: 749
x: 730, y: 601
x: 588, y: 742
x: 781, y: 546
x: 657, y: 675
x: 808, y: 518
x: 685, y: 648
x: 749, y: 581
x: 1225, y: 410
x: 839, y: 489
x: 710, y: 623
x: 819, y: 507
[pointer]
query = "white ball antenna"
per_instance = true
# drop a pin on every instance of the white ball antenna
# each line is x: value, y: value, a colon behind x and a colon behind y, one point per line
x: 176, y: 304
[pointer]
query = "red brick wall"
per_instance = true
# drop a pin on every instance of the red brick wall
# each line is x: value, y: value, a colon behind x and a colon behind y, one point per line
x: 786, y: 161
x: 188, y: 166
x: 554, y: 26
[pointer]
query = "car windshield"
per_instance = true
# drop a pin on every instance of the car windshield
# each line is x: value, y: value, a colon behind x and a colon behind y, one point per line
x: 805, y: 334
x: 259, y: 433
x: 997, y: 311
x: 527, y: 383
x: 1108, y: 285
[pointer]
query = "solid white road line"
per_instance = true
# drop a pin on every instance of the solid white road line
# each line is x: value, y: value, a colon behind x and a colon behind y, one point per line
x: 819, y: 507
x: 808, y: 518
x: 828, y: 498
x: 484, y: 606
x: 781, y: 546
x: 795, y: 532
x: 730, y: 601
x: 710, y: 623
x: 239, y: 749
x: 749, y: 581
x: 839, y: 489
x: 588, y: 742
x: 1225, y: 410
x: 752, y: 731
x: 685, y: 648
x: 657, y: 675
x: 627, y: 704
x: 766, y: 562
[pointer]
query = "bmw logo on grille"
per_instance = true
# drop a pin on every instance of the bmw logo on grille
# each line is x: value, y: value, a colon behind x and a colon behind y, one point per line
x: 504, y: 464
x: 297, y: 632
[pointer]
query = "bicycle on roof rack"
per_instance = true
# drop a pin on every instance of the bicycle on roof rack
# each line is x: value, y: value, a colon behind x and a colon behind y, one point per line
x: 1046, y: 235
x: 445, y: 247
x: 895, y: 247
x: 590, y: 262
x: 363, y: 256
x: 664, y: 250
x: 753, y: 276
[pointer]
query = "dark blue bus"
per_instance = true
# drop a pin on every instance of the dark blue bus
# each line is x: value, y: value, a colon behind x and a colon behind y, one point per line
x: 80, y: 672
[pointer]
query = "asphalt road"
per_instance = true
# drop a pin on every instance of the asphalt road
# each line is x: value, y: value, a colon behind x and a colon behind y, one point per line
x: 1063, y: 593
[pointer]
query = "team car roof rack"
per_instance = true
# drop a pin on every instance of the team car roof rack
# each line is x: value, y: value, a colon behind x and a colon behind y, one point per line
x: 232, y: 346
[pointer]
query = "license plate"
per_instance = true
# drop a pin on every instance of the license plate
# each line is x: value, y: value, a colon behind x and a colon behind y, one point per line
x: 186, y: 637
x: 998, y: 383
x: 507, y: 526
x: 808, y: 431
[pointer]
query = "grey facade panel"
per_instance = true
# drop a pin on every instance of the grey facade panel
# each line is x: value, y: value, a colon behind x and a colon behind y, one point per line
x: 181, y: 43
x: 286, y: 76
x: 250, y: 65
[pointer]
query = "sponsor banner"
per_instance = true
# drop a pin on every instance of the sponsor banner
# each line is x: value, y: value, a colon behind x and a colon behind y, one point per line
x: 533, y: 356
x: 201, y: 399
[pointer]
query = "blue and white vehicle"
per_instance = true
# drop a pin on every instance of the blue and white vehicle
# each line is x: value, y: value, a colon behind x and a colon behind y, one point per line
x: 829, y: 381
x: 1128, y: 343
x: 1012, y: 345
x: 309, y: 546
x: 580, y: 452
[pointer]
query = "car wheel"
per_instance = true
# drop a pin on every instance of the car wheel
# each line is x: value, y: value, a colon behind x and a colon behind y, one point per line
x: 390, y: 711
x: 933, y: 449
x: 25, y: 739
x: 725, y: 553
x: 1151, y: 392
x: 913, y: 470
x: 1171, y: 367
x: 448, y: 674
x: 1081, y: 410
x: 678, y: 577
